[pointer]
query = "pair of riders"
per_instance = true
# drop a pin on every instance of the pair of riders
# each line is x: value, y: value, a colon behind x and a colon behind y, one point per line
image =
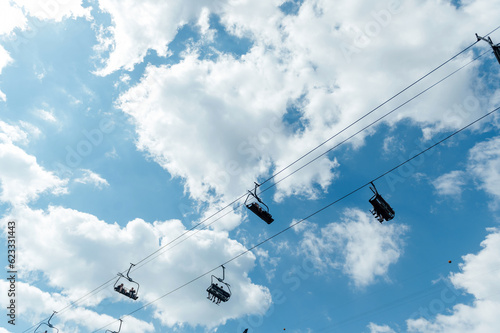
x: 121, y: 289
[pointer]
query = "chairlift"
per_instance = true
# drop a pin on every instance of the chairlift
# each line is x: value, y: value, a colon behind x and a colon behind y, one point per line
x: 496, y: 48
x: 381, y: 209
x: 129, y: 293
x: 216, y: 292
x: 47, y: 324
x: 119, y: 329
x: 256, y: 208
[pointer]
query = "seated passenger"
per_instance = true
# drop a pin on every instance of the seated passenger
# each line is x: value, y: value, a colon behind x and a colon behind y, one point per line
x: 120, y: 288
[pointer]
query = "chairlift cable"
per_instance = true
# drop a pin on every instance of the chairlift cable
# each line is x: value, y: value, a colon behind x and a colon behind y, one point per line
x: 311, y: 161
x: 319, y: 156
x: 310, y: 215
x: 375, y: 121
x: 337, y: 145
x: 300, y: 158
x: 160, y: 251
x: 323, y: 143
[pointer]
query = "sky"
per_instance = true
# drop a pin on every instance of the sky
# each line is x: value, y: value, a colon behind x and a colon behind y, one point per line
x: 131, y: 132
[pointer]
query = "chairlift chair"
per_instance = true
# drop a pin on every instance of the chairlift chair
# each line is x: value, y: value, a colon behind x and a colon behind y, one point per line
x: 381, y: 209
x: 122, y: 290
x: 256, y: 208
x: 216, y: 292
x: 119, y: 329
x: 48, y: 324
x: 496, y: 48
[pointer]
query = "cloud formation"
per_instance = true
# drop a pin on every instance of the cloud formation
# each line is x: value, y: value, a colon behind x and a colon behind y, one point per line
x: 484, y: 165
x: 479, y: 277
x: 74, y: 240
x: 92, y: 178
x: 450, y: 183
x: 360, y: 247
x: 305, y: 77
x: 22, y: 179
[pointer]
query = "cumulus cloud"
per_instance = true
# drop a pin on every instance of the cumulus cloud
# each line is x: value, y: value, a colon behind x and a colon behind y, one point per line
x: 5, y: 58
x: 47, y: 115
x: 54, y: 10
x: 233, y: 102
x: 83, y: 245
x: 374, y: 328
x: 12, y: 17
x: 22, y: 179
x: 37, y: 305
x: 293, y: 88
x: 359, y: 246
x: 484, y: 164
x: 479, y: 277
x: 92, y: 178
x: 450, y: 183
x: 142, y: 25
x: 10, y: 134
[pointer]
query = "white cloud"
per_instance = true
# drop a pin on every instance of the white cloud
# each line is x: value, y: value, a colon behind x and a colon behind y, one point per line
x: 33, y: 131
x: 142, y: 25
x: 479, y: 276
x: 359, y: 246
x: 391, y: 145
x: 234, y: 103
x: 374, y: 328
x: 92, y: 178
x: 83, y: 245
x: 47, y: 115
x: 36, y: 306
x: 450, y: 183
x: 484, y: 164
x: 54, y: 10
x: 10, y: 134
x: 5, y: 58
x: 11, y: 17
x: 294, y: 61
x: 22, y: 179
x: 111, y: 154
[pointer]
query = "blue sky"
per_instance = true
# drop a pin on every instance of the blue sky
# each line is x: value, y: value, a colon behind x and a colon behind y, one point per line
x: 123, y: 125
